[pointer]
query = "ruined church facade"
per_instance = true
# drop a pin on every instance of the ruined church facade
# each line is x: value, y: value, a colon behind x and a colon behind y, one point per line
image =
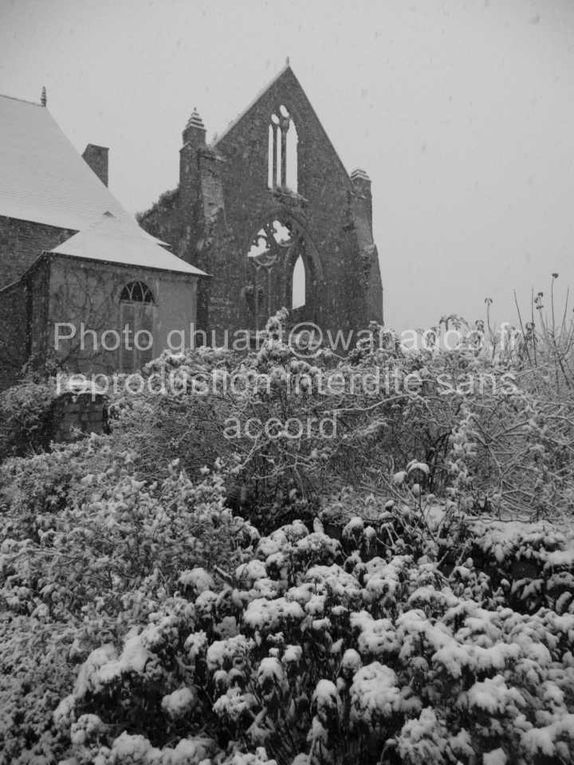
x: 269, y: 212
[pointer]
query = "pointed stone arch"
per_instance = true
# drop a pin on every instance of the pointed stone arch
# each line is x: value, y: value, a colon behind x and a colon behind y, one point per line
x: 298, y: 284
x: 273, y: 251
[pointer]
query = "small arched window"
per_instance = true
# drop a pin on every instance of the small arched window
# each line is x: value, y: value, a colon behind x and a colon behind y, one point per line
x: 137, y: 292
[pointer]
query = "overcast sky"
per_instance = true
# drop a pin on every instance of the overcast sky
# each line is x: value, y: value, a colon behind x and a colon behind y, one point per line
x: 461, y: 111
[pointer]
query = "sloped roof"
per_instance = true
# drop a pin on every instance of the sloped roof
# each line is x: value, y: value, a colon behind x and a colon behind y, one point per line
x: 112, y: 240
x: 42, y: 177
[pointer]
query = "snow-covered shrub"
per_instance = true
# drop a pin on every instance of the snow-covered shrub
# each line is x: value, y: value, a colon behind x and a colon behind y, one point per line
x: 396, y: 619
x: 87, y: 554
x: 335, y: 662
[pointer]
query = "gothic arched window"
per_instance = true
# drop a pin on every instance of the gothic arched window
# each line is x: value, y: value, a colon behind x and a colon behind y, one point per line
x: 298, y: 284
x: 282, y: 153
x: 282, y: 271
x: 137, y: 292
x: 137, y: 315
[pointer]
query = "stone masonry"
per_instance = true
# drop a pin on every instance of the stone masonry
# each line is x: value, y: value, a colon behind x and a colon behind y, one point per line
x: 235, y: 195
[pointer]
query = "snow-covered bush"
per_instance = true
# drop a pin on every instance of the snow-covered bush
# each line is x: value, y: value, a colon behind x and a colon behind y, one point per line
x: 335, y: 656
x: 374, y: 604
x: 87, y: 552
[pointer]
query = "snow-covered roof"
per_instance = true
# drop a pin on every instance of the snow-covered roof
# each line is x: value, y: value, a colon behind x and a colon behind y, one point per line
x: 43, y: 178
x: 112, y: 240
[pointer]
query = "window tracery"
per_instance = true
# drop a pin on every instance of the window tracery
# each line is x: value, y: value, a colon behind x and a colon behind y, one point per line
x: 136, y: 292
x: 282, y: 154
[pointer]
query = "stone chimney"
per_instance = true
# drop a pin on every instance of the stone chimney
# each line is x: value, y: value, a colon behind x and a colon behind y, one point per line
x: 362, y: 192
x: 189, y: 172
x: 194, y: 130
x: 97, y: 158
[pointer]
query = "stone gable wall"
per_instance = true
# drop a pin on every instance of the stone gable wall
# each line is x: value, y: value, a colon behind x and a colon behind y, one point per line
x: 224, y: 199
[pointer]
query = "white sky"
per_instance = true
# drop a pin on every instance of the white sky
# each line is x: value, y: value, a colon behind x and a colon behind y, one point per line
x: 461, y: 111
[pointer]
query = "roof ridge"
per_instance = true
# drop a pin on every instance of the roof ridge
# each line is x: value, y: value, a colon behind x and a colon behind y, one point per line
x: 22, y: 100
x: 252, y: 103
x: 109, y: 221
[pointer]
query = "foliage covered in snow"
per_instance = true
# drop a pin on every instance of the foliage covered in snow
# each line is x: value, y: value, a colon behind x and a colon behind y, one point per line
x: 141, y: 621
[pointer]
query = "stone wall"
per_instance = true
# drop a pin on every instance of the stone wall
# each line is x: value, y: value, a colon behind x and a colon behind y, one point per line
x: 38, y: 284
x: 83, y: 297
x: 73, y: 414
x: 22, y: 242
x: 86, y: 295
x: 24, y: 323
x: 14, y: 338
